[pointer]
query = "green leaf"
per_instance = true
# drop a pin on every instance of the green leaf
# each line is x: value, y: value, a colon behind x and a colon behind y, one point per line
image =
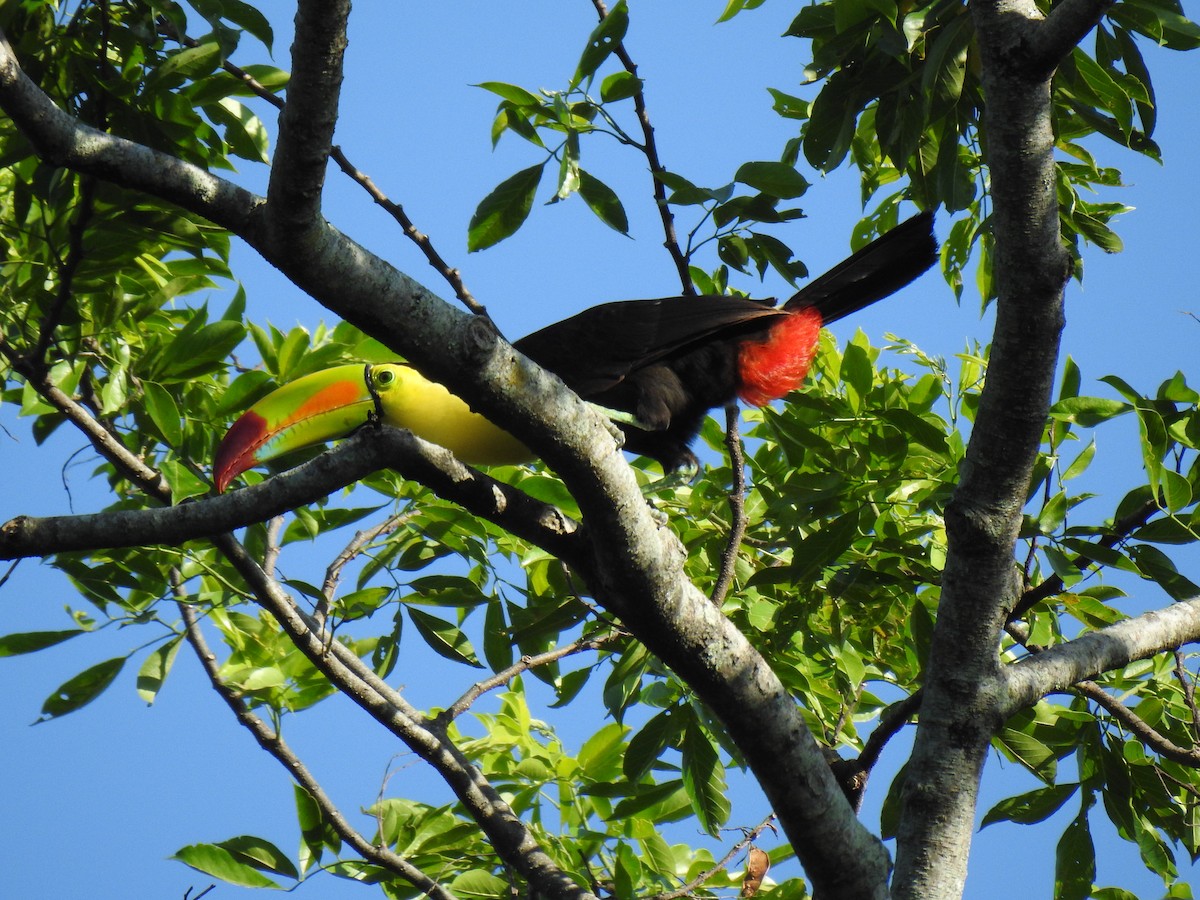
x: 263, y: 678
x: 1032, y: 807
x: 1075, y: 861
x: 478, y: 883
x: 1028, y: 751
x: 832, y: 119
x: 1052, y: 514
x: 620, y: 86
x: 249, y: 18
x: 647, y: 745
x: 164, y: 413
x: 1176, y: 489
x: 567, y: 687
x: 82, y: 689
x: 315, y: 832
x: 568, y: 170
x: 504, y: 210
x: 190, y: 63
x: 601, y: 754
x: 1088, y: 411
x: 857, y: 374
x: 733, y: 7
x: 1070, y: 380
x: 261, y: 854
x: 215, y: 860
x: 704, y: 779
x: 789, y: 107
x: 815, y: 552
x: 155, y: 669
x: 444, y: 638
x: 602, y: 42
x: 244, y: 131
x: 512, y: 93
x: 627, y: 874
x: 1079, y: 465
x: 1156, y: 565
x: 497, y: 640
x: 774, y: 178
x: 32, y: 641
x: 656, y: 853
x: 200, y: 352
x: 603, y: 201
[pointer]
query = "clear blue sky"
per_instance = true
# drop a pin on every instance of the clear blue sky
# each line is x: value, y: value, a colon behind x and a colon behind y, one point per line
x: 95, y: 803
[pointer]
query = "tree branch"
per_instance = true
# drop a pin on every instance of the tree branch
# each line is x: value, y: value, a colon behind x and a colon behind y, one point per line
x: 635, y: 566
x: 748, y: 838
x: 524, y: 664
x: 1091, y: 654
x: 503, y: 828
x: 277, y: 747
x: 128, y: 464
x: 351, y: 676
x: 964, y: 690
x: 650, y: 149
x: 1159, y: 743
x: 306, y: 124
x: 1054, y: 584
x: 370, y: 450
x: 62, y: 140
x: 333, y: 572
x: 1067, y: 23
x: 452, y: 275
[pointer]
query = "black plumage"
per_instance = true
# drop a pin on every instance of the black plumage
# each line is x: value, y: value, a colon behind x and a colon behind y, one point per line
x: 667, y: 362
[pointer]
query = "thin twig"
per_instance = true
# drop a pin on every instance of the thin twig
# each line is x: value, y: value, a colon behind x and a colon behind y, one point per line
x: 650, y: 149
x: 67, y: 269
x: 895, y: 718
x: 451, y: 274
x: 737, y: 505
x: 1187, y: 788
x: 748, y: 838
x: 1141, y: 729
x: 1054, y: 584
x: 127, y: 463
x: 1189, y: 691
x: 333, y: 574
x: 500, y: 679
x: 853, y: 774
x: 8, y: 574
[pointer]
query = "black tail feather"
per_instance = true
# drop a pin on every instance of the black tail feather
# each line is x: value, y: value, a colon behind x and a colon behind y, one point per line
x: 879, y: 269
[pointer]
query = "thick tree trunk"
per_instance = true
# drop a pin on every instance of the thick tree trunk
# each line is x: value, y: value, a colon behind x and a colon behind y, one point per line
x: 965, y: 693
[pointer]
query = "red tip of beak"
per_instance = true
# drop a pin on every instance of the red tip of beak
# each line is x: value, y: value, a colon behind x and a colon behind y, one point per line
x: 236, y: 452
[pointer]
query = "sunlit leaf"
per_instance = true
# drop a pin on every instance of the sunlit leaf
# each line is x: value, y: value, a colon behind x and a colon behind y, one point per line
x: 220, y: 863
x: 444, y: 638
x: 504, y: 210
x: 82, y: 689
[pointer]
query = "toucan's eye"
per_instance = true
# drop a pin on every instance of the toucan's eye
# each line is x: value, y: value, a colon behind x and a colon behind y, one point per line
x: 386, y: 377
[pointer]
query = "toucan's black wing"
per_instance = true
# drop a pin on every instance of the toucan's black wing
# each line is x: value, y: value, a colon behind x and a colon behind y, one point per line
x: 880, y: 268
x: 596, y: 349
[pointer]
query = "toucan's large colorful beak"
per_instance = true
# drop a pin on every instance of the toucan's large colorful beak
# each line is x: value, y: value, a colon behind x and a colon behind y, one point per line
x: 310, y: 410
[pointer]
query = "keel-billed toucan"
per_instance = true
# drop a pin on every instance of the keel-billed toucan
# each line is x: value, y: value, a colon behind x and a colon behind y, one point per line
x: 664, y: 363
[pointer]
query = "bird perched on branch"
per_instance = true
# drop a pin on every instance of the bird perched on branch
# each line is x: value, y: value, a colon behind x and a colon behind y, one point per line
x: 659, y: 365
